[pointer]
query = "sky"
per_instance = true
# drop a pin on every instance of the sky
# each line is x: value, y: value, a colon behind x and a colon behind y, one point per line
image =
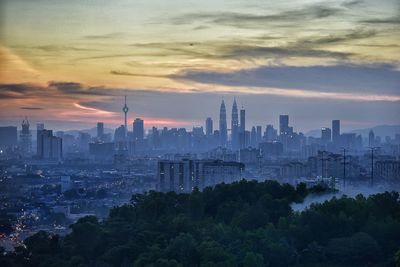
x: 69, y: 63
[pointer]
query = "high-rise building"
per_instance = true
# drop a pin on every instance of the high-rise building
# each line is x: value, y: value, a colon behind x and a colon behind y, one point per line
x: 243, y: 139
x: 335, y: 132
x: 209, y: 126
x: 271, y: 134
x: 25, y: 138
x: 119, y: 135
x: 326, y: 135
x: 60, y: 134
x: 44, y: 143
x: 242, y: 120
x: 182, y: 176
x: 120, y: 139
x: 235, y: 126
x: 102, y: 150
x: 39, y: 128
x: 125, y: 109
x: 271, y: 149
x: 371, y: 138
x: 283, y: 124
x: 138, y: 129
x: 249, y: 155
x: 223, y: 131
x: 253, y: 137
x: 48, y: 146
x: 348, y: 140
x: 259, y: 134
x: 83, y: 141
x: 8, y: 136
x: 100, y: 130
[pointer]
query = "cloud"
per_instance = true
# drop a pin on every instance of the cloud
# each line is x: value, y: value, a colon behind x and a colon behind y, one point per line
x: 334, y: 39
x: 54, y: 90
x: 15, y: 69
x: 60, y: 48
x: 94, y: 111
x: 246, y: 20
x: 106, y: 56
x: 352, y: 3
x: 73, y: 91
x: 243, y: 51
x: 66, y: 86
x: 127, y: 73
x: 377, y: 79
x: 236, y: 48
x: 32, y: 108
x: 193, y: 105
x: 389, y: 20
x: 73, y: 88
x: 112, y: 35
x: 18, y: 91
x: 201, y: 27
x: 13, y: 88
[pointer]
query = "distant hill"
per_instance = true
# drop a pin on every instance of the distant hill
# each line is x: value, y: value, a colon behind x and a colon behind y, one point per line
x: 380, y: 130
x: 313, y: 133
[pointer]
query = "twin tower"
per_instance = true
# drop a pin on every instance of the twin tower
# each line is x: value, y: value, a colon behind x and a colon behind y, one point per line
x: 238, y: 130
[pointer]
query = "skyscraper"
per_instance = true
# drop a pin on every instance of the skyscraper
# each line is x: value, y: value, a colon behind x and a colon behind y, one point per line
x: 371, y: 138
x: 26, y: 138
x: 253, y: 137
x: 283, y: 124
x: 242, y: 120
x: 83, y: 141
x: 119, y: 136
x: 8, y: 136
x: 138, y: 129
x: 270, y: 133
x: 335, y: 132
x: 48, y: 146
x: 209, y: 126
x: 242, y: 130
x: 39, y: 128
x: 100, y: 130
x: 259, y: 134
x: 325, y: 135
x: 125, y: 109
x: 223, y: 131
x: 235, y: 126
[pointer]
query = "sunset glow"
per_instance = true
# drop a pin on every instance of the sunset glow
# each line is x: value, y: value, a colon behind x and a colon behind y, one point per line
x: 212, y: 49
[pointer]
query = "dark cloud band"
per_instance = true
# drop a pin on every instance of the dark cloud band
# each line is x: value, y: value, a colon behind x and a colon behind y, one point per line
x: 375, y: 79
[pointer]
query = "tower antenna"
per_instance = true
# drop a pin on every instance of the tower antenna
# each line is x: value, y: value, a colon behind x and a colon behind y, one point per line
x: 125, y: 109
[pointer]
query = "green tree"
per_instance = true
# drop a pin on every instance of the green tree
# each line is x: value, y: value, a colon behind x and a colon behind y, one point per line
x: 397, y: 258
x: 253, y: 260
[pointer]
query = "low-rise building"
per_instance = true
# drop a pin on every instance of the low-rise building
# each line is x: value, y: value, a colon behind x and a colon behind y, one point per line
x: 185, y: 175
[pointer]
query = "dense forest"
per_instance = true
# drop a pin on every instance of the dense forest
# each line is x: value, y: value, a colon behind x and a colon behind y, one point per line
x: 241, y: 224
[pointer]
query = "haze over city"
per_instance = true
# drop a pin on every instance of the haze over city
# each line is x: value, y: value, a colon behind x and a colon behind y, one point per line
x: 69, y: 64
x: 181, y: 133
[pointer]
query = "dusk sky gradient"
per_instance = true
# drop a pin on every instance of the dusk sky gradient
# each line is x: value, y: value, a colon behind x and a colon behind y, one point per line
x: 69, y: 63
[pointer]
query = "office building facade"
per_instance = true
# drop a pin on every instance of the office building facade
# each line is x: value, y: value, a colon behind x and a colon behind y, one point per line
x: 185, y: 175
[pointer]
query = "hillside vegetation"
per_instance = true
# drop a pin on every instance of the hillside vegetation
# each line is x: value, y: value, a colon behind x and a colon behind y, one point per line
x: 241, y: 224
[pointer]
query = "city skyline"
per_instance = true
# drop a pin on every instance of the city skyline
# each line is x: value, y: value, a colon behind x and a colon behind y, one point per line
x: 233, y: 136
x: 233, y: 131
x: 199, y: 133
x: 71, y: 63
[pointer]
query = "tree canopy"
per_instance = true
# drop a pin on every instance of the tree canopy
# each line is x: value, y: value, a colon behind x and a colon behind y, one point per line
x: 241, y: 224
